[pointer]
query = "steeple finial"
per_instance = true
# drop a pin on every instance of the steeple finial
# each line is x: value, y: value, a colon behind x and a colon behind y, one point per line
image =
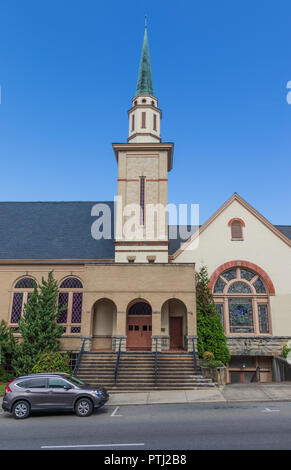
x: 145, y: 80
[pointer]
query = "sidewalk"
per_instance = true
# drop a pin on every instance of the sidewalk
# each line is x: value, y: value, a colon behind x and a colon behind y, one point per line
x: 229, y: 393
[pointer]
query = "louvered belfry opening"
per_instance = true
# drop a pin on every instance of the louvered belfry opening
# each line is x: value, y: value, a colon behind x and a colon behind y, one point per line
x: 236, y: 230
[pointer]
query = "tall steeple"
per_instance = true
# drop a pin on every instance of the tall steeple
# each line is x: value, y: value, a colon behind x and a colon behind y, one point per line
x: 145, y: 80
x: 144, y: 116
x: 144, y: 161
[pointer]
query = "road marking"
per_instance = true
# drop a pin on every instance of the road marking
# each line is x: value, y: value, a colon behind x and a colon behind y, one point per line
x: 115, y: 411
x: 92, y: 445
x: 267, y: 410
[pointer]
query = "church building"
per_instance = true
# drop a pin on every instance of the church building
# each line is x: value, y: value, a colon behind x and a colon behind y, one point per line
x: 127, y: 281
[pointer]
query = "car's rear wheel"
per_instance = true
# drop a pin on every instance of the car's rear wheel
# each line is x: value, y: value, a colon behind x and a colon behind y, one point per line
x: 84, y: 407
x: 21, y: 409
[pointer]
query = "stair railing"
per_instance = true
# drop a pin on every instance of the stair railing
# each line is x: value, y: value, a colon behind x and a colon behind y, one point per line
x: 117, y: 363
x: 78, y: 361
x: 156, y: 363
x: 195, y: 362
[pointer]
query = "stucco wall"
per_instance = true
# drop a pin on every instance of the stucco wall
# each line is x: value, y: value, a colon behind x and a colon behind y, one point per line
x: 259, y: 246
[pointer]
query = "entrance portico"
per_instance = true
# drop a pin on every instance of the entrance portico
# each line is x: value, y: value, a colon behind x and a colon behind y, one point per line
x: 140, y: 306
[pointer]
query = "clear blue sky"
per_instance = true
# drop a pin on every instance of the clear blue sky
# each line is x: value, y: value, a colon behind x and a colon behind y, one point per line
x: 68, y: 70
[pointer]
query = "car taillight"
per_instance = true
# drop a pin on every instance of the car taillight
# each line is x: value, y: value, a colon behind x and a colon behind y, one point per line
x: 8, y: 389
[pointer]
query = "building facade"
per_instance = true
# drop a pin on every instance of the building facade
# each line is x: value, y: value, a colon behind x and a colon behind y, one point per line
x: 134, y: 286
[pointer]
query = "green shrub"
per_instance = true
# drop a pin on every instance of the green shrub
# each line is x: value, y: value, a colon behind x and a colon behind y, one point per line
x: 5, y: 376
x: 285, y: 350
x: 52, y: 362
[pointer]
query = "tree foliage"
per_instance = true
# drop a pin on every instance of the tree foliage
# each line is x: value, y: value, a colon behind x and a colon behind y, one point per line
x: 211, y: 336
x: 38, y: 326
x: 52, y: 361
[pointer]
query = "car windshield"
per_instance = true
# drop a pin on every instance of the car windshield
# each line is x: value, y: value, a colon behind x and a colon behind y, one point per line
x: 75, y: 381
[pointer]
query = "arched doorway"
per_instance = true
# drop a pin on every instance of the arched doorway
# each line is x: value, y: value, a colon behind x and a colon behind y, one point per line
x: 104, y: 324
x: 139, y: 326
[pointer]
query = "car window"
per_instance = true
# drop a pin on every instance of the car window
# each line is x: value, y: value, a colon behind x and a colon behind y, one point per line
x: 57, y: 383
x: 32, y: 383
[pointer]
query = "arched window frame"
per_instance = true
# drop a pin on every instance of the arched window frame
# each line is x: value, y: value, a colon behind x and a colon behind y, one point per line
x: 259, y: 302
x: 73, y: 298
x: 239, y: 223
x: 19, y: 298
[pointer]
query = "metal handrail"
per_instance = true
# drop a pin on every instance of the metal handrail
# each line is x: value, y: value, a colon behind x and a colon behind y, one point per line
x: 117, y: 363
x: 194, y: 356
x: 156, y: 363
x: 79, y: 358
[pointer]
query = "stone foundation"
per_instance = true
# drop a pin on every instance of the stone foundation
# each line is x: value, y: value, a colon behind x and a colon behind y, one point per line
x: 256, y: 345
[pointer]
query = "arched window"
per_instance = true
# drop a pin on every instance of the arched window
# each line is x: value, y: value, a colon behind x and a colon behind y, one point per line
x: 236, y: 230
x: 71, y: 298
x: 242, y: 301
x: 20, y: 295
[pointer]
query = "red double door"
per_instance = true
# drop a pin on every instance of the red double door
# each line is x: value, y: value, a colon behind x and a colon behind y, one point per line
x: 139, y: 332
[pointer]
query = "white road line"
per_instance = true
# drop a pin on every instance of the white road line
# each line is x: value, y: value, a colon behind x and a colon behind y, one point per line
x: 92, y: 445
x: 115, y: 411
x: 267, y: 410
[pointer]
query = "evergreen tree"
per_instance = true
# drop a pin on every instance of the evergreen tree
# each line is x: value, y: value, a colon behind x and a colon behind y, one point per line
x: 211, y: 336
x: 38, y: 327
x: 7, y: 342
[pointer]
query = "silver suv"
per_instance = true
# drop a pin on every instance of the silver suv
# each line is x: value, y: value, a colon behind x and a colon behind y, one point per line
x: 54, y: 391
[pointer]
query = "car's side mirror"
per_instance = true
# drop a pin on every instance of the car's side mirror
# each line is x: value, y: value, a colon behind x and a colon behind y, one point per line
x: 67, y: 387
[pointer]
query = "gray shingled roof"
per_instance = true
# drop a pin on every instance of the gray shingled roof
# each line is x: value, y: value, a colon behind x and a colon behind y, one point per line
x: 62, y: 230
x: 285, y: 229
x: 51, y: 230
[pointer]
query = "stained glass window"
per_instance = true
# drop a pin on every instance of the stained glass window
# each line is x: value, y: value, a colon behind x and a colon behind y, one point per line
x: 245, y: 293
x: 230, y: 274
x: 239, y: 288
x: 142, y: 200
x: 16, y: 307
x: 219, y: 308
x: 24, y: 283
x: 248, y: 275
x: 259, y: 286
x: 263, y: 318
x: 140, y: 308
x: 71, y: 283
x: 63, y: 301
x: 241, y: 315
x: 219, y: 286
x: 77, y: 307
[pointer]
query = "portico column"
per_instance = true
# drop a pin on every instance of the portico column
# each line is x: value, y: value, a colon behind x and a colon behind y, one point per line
x: 191, y: 331
x: 120, y: 334
x: 86, y: 324
x: 156, y: 331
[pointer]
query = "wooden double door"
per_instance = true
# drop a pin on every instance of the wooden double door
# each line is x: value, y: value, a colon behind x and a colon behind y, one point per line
x: 139, y: 332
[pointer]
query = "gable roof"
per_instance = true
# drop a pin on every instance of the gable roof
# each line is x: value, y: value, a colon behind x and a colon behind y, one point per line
x: 281, y: 231
x: 62, y: 231
x: 51, y: 231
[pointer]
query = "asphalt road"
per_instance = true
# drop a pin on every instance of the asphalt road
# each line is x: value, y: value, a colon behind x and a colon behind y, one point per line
x: 236, y: 426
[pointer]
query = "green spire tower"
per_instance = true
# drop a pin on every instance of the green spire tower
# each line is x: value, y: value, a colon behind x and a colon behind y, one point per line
x: 145, y: 80
x: 144, y: 115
